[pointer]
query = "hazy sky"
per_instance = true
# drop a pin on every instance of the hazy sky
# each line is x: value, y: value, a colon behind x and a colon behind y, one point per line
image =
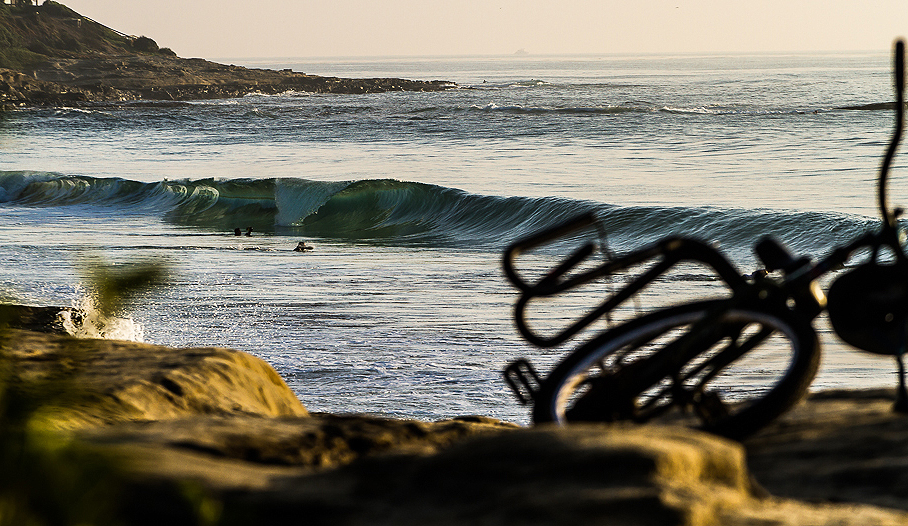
x: 303, y: 28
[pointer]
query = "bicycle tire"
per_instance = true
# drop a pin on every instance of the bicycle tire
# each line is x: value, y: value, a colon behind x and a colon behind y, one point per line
x: 566, y: 391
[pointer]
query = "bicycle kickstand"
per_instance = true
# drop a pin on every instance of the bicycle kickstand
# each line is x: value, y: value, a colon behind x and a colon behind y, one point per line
x: 523, y: 379
x: 901, y: 396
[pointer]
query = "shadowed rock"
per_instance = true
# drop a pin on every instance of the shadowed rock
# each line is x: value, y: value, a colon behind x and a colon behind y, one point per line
x: 39, y: 319
x: 839, y: 446
x: 217, y: 430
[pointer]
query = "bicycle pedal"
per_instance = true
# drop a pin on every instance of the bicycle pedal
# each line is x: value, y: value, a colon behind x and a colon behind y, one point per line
x: 523, y: 379
x: 710, y: 407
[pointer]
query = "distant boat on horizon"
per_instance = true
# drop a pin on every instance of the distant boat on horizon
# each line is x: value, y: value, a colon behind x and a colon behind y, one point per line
x: 521, y: 51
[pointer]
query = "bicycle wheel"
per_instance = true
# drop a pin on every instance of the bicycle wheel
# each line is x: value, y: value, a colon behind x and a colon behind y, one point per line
x: 734, y: 373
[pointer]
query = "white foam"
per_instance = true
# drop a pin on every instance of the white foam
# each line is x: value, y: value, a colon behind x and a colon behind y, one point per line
x: 89, y: 322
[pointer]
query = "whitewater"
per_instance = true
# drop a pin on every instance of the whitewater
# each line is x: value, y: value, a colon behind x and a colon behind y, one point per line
x: 409, y: 199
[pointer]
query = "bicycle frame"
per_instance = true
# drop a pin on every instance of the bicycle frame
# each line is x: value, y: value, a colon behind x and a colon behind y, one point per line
x: 674, y: 250
x: 796, y: 291
x: 669, y: 252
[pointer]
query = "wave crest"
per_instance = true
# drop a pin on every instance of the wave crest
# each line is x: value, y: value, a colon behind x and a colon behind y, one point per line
x: 391, y: 211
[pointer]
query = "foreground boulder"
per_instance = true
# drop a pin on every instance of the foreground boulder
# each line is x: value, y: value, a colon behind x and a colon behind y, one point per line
x: 116, y: 381
x: 585, y: 474
x: 839, y: 446
x: 214, y: 436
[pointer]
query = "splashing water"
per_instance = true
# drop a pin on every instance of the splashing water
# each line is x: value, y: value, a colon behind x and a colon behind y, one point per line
x: 87, y: 321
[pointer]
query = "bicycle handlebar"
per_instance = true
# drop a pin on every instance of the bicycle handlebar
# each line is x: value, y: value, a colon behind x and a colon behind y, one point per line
x: 540, y: 238
x: 888, y: 216
x: 677, y: 249
x: 672, y: 251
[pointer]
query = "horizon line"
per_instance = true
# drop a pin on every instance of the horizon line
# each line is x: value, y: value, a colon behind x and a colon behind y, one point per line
x: 530, y: 55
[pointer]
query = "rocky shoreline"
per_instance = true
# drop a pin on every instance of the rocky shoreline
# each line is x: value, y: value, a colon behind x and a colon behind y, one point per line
x: 51, y: 55
x: 121, y: 78
x: 214, y: 436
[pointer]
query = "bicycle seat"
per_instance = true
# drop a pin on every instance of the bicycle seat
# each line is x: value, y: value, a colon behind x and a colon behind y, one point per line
x: 776, y: 257
x: 868, y: 307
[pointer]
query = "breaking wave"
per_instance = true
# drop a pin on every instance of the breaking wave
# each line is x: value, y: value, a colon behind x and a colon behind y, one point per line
x: 391, y: 211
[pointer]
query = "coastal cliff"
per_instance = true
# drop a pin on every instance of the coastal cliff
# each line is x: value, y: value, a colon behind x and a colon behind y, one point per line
x: 143, y: 434
x: 51, y: 55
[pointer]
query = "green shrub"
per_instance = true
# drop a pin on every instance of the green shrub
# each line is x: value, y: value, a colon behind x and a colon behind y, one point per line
x: 145, y: 44
x: 57, y: 9
x: 19, y: 58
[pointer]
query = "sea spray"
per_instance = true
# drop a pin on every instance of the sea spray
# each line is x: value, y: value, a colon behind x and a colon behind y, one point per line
x: 86, y: 320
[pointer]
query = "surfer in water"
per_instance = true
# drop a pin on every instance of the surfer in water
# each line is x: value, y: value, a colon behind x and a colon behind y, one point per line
x: 302, y: 247
x: 248, y: 231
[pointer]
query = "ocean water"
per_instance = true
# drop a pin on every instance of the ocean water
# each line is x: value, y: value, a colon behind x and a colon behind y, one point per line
x: 402, y: 308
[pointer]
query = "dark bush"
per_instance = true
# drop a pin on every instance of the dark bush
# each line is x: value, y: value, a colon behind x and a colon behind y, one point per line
x: 39, y: 47
x: 56, y: 9
x: 71, y: 44
x: 145, y: 44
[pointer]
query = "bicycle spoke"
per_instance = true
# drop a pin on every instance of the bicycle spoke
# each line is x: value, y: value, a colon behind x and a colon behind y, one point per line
x: 727, y: 371
x: 650, y: 408
x: 710, y: 408
x: 726, y: 356
x: 633, y: 376
x: 676, y: 392
x: 724, y: 359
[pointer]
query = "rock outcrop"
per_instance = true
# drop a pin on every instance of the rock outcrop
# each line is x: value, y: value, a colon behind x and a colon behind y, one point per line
x: 51, y: 55
x: 152, y: 77
x: 839, y: 446
x: 117, y: 381
x: 214, y: 436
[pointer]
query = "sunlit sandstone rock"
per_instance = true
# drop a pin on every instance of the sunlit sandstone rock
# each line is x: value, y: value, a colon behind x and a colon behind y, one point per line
x: 117, y: 381
x: 224, y: 423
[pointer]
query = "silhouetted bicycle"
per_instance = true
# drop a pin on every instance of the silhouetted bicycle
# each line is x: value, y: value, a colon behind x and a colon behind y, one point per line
x: 732, y: 364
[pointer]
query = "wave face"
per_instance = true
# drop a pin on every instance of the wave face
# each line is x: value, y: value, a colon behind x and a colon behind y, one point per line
x: 390, y: 211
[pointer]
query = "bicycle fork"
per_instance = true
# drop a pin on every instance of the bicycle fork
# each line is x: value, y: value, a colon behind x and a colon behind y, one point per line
x: 523, y: 380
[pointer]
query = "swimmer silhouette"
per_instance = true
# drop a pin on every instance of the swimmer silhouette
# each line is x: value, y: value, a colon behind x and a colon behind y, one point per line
x: 302, y: 247
x: 248, y: 231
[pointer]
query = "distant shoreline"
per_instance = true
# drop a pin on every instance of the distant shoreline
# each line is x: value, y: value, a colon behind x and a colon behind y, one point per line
x: 55, y: 56
x: 151, y: 77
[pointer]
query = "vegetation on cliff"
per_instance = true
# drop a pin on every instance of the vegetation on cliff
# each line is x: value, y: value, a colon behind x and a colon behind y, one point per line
x: 30, y: 35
